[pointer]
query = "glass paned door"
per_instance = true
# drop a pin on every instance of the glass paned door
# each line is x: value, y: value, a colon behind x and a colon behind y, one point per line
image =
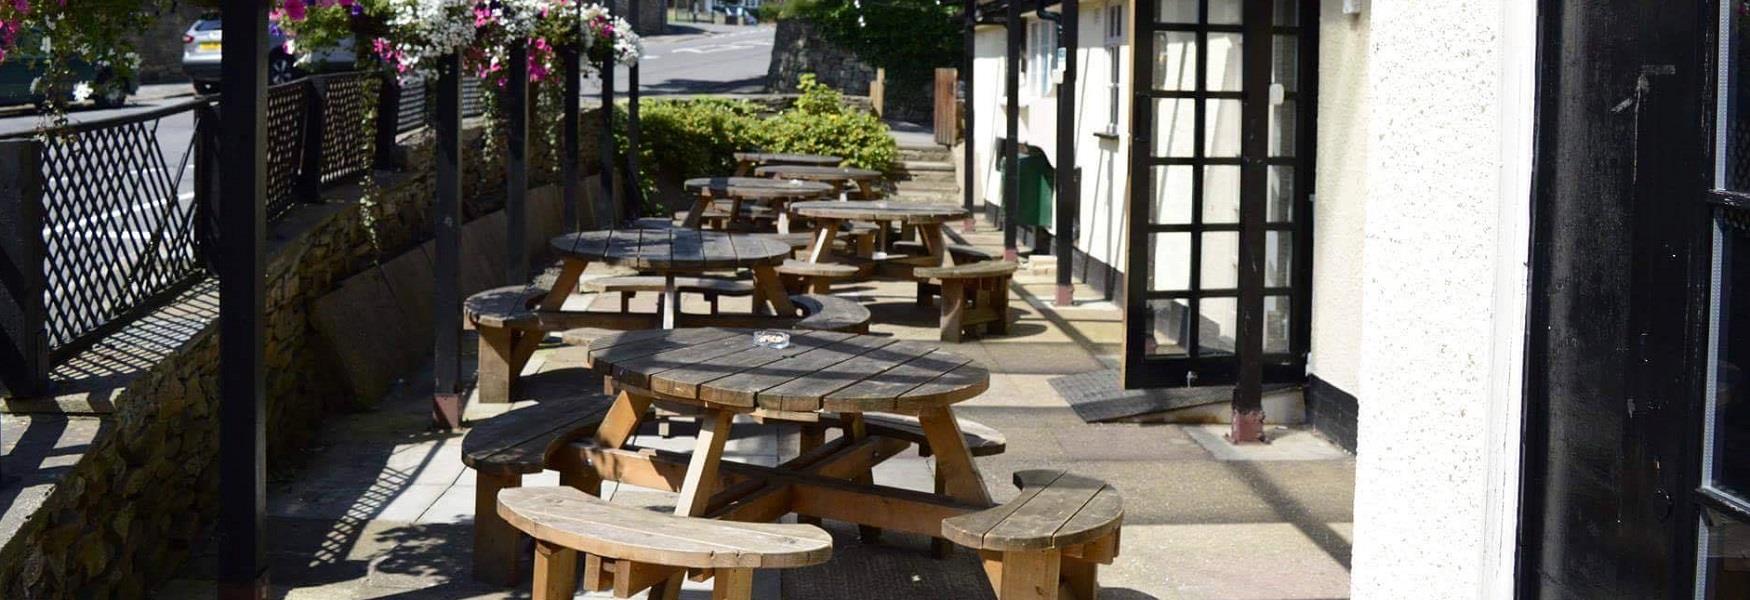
x: 1219, y: 210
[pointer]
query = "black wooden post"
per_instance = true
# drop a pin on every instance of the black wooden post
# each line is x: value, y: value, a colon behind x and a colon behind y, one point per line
x: 634, y: 189
x: 606, y: 215
x: 242, y: 267
x: 1248, y: 404
x: 573, y: 104
x: 1068, y: 175
x: 968, y: 184
x: 1016, y: 29
x: 516, y: 164
x: 388, y: 119
x: 447, y: 226
x: 309, y: 186
x: 24, y: 331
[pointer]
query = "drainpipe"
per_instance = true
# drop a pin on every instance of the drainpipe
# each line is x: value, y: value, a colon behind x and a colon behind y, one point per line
x: 1068, y: 184
x: 1012, y: 150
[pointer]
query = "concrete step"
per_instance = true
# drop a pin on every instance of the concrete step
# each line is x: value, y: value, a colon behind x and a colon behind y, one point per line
x: 921, y: 166
x: 927, y: 177
x: 925, y: 154
x: 945, y: 185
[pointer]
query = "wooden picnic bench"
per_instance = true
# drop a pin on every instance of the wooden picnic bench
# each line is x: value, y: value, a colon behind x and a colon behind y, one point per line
x: 503, y: 449
x: 817, y: 278
x: 973, y: 296
x: 630, y: 549
x: 509, y: 330
x: 1049, y: 541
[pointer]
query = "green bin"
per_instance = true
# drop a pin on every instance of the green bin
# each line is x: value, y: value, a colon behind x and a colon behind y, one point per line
x: 1036, y: 190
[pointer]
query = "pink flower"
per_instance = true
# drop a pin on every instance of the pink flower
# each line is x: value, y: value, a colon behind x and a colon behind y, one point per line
x: 22, y: 6
x: 295, y: 9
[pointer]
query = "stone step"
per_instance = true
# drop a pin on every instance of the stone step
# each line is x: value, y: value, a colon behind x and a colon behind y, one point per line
x: 928, y: 177
x: 929, y: 186
x: 926, y: 154
x: 921, y: 166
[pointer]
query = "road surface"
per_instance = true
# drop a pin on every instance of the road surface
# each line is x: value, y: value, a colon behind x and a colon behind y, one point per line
x: 700, y: 58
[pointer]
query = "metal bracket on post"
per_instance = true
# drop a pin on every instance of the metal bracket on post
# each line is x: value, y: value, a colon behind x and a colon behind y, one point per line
x: 447, y: 222
x: 24, y: 332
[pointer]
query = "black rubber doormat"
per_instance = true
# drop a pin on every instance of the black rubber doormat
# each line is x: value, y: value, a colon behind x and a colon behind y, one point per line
x: 1096, y: 397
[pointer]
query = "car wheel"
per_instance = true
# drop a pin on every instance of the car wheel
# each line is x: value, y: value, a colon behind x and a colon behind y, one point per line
x: 280, y: 69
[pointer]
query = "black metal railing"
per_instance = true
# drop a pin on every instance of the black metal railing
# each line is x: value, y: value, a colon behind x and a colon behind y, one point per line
x: 107, y: 220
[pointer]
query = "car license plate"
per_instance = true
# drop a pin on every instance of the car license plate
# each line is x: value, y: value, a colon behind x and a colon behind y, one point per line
x: 210, y: 46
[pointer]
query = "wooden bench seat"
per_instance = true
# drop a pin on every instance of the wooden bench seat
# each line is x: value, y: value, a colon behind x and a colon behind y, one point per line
x: 1051, y: 537
x: 961, y: 253
x: 981, y: 439
x: 831, y: 313
x: 817, y: 278
x: 629, y: 549
x: 973, y: 296
x: 503, y: 449
x: 509, y: 331
x: 710, y: 287
x: 655, y: 223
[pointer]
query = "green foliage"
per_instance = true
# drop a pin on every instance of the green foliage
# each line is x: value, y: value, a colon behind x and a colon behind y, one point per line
x: 821, y: 123
x: 909, y: 38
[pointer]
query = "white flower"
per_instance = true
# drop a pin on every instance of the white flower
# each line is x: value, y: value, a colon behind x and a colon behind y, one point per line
x: 81, y: 91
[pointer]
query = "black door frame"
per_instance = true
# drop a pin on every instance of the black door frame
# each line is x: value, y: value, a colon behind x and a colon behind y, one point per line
x: 1248, y: 366
x: 1616, y: 323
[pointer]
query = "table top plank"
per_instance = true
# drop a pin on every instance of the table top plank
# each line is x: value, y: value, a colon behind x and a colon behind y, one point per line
x: 804, y: 394
x: 688, y: 246
x: 966, y: 381
x: 757, y: 188
x: 685, y: 382
x: 638, y: 372
x: 787, y: 158
x: 882, y: 392
x: 742, y: 389
x: 902, y: 212
x: 672, y: 249
x: 817, y: 173
x: 604, y: 359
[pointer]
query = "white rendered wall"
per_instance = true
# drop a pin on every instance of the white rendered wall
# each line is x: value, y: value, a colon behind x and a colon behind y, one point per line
x: 1340, y: 215
x: 1443, y: 297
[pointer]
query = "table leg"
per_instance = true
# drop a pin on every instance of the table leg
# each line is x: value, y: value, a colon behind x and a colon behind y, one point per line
x: 960, y: 477
x: 934, y: 241
x: 700, y: 481
x: 783, y: 209
x: 857, y: 430
x: 772, y: 289
x: 569, y: 272
x: 622, y: 420
x: 671, y: 301
x: 825, y: 230
x: 697, y: 214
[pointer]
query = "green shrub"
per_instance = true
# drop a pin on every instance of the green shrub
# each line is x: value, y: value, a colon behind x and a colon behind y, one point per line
x: 822, y: 123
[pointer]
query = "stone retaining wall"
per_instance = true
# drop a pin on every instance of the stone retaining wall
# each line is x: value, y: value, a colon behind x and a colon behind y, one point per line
x: 799, y: 48
x: 138, y: 502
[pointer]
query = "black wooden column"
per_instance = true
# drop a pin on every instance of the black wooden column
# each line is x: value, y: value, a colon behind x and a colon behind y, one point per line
x: 516, y: 164
x: 969, y: 177
x: 606, y: 218
x: 447, y: 228
x: 1016, y: 30
x: 1248, y: 405
x: 634, y: 184
x: 242, y: 266
x: 573, y: 65
x: 1068, y: 174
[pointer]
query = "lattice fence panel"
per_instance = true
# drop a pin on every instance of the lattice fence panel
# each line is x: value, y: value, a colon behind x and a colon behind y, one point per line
x: 348, y: 142
x: 118, y: 221
x: 286, y: 108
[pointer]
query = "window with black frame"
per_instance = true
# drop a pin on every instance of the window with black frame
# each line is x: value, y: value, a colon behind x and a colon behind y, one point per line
x: 1723, y: 565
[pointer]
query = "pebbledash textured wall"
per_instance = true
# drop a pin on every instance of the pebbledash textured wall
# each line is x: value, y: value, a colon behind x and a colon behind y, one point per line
x: 1443, y: 297
x: 140, y: 500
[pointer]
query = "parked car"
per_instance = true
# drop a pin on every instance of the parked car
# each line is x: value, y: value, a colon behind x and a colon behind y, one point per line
x: 204, y: 40
x: 21, y: 69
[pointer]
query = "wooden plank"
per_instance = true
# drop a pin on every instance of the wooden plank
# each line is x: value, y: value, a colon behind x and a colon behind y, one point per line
x: 555, y: 571
x: 496, y: 543
x: 733, y: 584
x: 1038, y: 523
x: 622, y: 420
x: 637, y: 372
x: 981, y: 439
x: 1101, y: 516
x: 632, y: 577
x: 604, y: 360
x: 881, y: 393
x: 969, y: 530
x: 742, y: 389
x: 805, y: 393
x: 964, y: 382
x: 516, y: 441
x: 701, y: 479
x: 684, y: 383
x: 758, y: 249
x: 688, y: 247
x: 588, y: 524
x: 718, y: 246
x: 959, y: 474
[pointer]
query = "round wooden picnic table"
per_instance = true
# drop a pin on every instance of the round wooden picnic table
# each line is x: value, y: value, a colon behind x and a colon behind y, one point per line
x: 927, y: 218
x: 773, y: 193
x: 668, y: 252
x: 745, y: 162
x: 717, y: 373
x: 865, y: 179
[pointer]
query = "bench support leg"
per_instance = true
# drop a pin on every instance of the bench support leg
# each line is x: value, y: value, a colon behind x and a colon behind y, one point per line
x: 497, y: 364
x: 858, y: 430
x: 1081, y: 578
x: 960, y: 477
x: 622, y: 420
x: 700, y: 481
x: 1029, y: 575
x: 999, y: 302
x: 733, y: 584
x: 496, y: 543
x: 555, y: 571
x: 766, y: 279
x: 812, y: 436
x: 953, y: 309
